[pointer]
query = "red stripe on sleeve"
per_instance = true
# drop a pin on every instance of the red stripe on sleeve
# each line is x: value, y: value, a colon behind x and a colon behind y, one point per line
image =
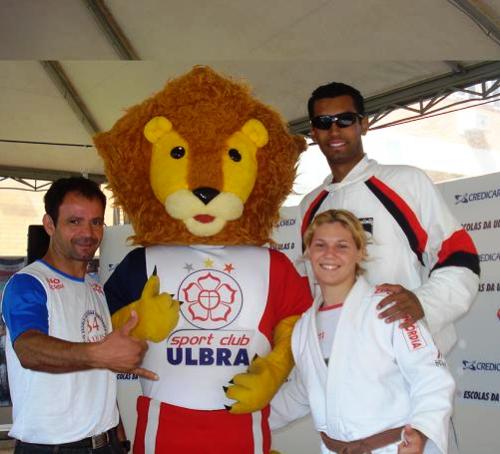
x: 459, y: 241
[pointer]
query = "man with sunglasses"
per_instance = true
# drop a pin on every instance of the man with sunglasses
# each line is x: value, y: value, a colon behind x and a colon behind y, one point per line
x: 426, y: 261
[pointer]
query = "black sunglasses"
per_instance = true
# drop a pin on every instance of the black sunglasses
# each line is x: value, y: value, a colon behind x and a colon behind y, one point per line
x: 342, y: 120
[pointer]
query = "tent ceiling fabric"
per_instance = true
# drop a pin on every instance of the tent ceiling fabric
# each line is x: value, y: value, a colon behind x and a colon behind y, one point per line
x: 283, y: 48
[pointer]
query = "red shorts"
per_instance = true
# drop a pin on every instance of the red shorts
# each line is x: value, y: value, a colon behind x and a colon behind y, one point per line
x: 164, y: 428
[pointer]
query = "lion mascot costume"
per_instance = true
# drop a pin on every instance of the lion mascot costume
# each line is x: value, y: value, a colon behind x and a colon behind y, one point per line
x: 201, y: 169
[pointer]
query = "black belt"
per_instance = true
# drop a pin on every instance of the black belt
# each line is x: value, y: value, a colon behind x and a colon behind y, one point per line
x: 93, y: 442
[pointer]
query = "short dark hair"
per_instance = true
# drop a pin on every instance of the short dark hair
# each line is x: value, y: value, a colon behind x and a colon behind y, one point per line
x: 334, y: 90
x: 58, y: 190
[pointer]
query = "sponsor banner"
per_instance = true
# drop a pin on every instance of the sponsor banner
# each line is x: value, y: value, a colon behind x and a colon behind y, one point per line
x: 485, y: 224
x: 481, y: 366
x: 114, y: 248
x: 480, y: 396
x: 129, y: 377
x: 479, y: 196
x: 287, y: 231
x: 8, y: 267
x: 489, y: 286
x: 475, y: 361
x: 477, y: 380
x: 489, y: 257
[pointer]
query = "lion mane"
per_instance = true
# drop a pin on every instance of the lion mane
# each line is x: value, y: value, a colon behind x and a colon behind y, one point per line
x: 205, y: 108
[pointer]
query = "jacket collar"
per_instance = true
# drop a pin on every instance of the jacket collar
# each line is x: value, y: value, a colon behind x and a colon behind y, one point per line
x: 363, y: 170
x: 360, y: 288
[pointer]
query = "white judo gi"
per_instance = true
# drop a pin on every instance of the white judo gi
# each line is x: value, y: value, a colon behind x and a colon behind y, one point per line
x: 379, y: 377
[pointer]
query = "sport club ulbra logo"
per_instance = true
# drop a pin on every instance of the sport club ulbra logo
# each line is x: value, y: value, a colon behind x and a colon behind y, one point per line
x: 212, y: 299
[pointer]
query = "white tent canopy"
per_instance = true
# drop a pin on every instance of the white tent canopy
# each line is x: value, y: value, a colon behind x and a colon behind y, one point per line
x: 63, y: 74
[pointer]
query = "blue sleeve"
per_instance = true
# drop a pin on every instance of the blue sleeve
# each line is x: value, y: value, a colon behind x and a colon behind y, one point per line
x: 127, y: 281
x: 24, y: 306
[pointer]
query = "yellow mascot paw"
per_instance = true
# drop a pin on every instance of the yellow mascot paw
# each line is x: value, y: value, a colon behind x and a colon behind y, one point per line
x: 158, y: 313
x: 254, y: 389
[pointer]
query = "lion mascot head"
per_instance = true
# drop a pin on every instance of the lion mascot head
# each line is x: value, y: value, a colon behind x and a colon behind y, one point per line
x: 202, y: 161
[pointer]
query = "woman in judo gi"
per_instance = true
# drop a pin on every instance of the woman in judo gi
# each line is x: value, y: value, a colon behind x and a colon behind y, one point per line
x: 371, y: 386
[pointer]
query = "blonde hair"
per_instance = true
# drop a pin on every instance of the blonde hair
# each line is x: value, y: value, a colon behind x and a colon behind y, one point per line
x: 349, y: 221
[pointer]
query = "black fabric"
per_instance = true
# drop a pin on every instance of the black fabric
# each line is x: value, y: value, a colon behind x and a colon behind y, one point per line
x: 126, y: 286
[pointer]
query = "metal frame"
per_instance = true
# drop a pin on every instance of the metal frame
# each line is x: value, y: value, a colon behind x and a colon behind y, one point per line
x: 438, y: 105
x: 68, y: 91
x: 112, y: 30
x: 428, y: 95
x: 39, y: 179
x: 474, y: 10
x: 421, y: 99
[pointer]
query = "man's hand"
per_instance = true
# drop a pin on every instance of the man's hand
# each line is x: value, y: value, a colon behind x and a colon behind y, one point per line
x: 158, y: 313
x: 120, y: 352
x: 414, y: 441
x: 404, y: 305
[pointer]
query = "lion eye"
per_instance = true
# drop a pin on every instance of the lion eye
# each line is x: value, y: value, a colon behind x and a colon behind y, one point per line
x: 235, y: 155
x: 177, y: 152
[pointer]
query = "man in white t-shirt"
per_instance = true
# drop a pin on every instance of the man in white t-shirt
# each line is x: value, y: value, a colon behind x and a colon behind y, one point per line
x: 61, y: 352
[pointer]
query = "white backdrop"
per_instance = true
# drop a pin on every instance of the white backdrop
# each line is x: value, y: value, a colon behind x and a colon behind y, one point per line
x: 474, y: 362
x: 113, y: 248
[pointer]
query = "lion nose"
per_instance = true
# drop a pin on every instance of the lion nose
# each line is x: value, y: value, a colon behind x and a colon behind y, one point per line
x: 206, y: 194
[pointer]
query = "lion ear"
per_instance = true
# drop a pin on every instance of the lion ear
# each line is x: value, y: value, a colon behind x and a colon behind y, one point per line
x: 157, y: 127
x: 256, y: 132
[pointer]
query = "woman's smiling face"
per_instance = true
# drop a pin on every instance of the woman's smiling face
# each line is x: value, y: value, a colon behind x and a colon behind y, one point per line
x: 334, y: 255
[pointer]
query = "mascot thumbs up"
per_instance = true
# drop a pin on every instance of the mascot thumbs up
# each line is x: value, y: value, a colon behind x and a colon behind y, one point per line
x: 201, y: 169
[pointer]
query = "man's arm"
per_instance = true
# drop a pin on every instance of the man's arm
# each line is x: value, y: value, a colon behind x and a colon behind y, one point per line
x: 445, y: 297
x: 118, y: 352
x: 449, y: 254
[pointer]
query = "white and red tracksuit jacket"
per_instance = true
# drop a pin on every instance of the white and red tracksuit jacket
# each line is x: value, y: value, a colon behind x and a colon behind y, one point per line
x: 415, y: 240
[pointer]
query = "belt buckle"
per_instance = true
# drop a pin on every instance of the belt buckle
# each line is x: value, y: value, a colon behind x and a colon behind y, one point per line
x: 99, y: 441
